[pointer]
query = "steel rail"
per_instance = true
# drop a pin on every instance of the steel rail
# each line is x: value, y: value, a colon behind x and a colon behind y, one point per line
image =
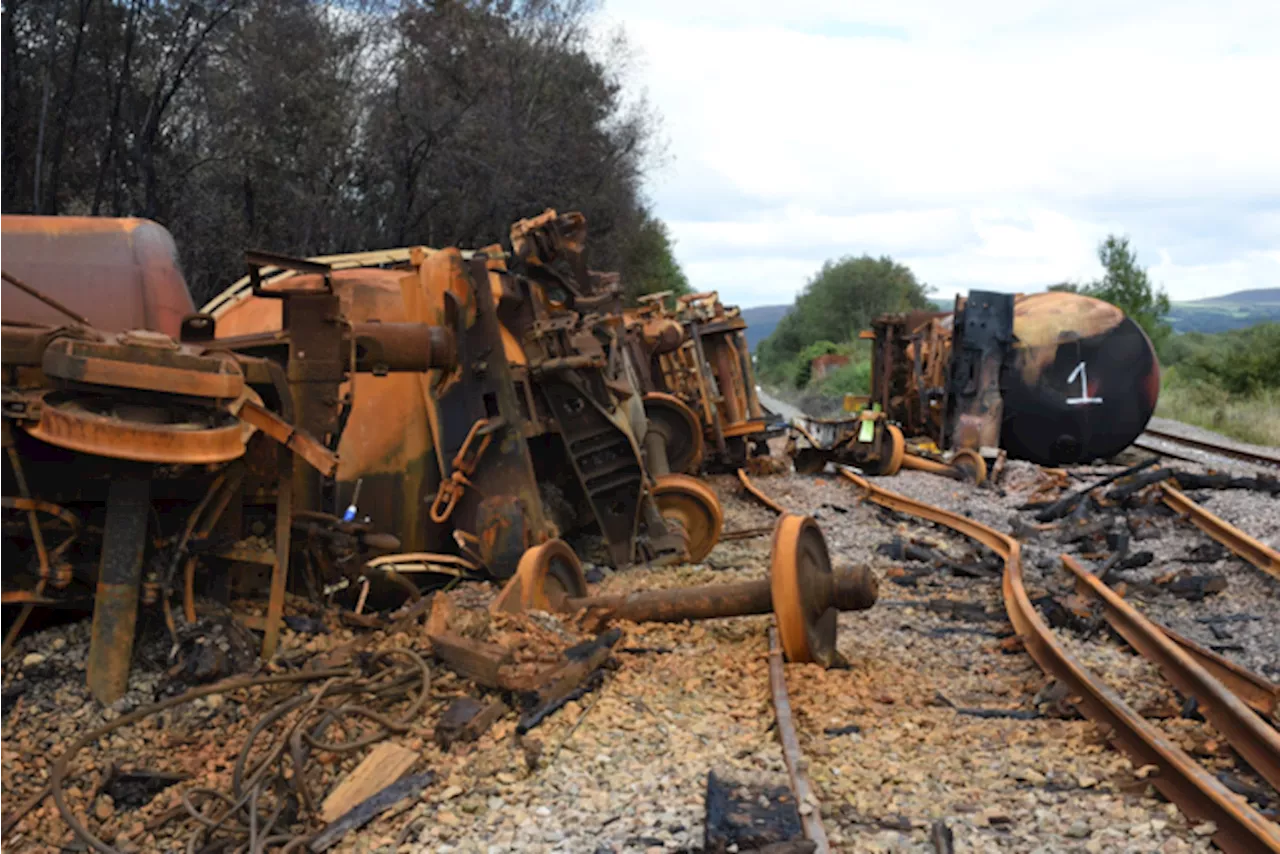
x: 1200, y: 795
x: 1152, y: 449
x: 810, y: 821
x: 758, y: 494
x: 1259, y: 554
x: 1260, y: 693
x: 1256, y: 742
x: 1260, y: 458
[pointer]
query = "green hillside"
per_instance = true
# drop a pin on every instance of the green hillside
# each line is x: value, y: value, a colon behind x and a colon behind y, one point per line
x: 761, y: 320
x: 1232, y: 311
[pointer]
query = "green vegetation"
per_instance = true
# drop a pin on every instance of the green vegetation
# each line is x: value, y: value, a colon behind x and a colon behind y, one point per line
x: 650, y: 263
x: 1126, y: 285
x: 836, y: 304
x: 1228, y: 382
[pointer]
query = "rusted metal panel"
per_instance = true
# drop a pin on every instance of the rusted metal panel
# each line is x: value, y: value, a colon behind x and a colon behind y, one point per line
x: 107, y: 427
x: 119, y: 273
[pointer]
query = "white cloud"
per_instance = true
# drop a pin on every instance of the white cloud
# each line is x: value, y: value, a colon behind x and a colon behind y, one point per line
x: 987, y: 144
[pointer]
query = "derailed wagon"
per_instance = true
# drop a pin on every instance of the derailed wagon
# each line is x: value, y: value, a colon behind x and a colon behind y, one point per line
x: 1052, y: 378
x: 132, y: 454
x: 536, y: 434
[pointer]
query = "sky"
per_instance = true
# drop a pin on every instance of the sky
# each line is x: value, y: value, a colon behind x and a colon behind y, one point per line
x: 989, y: 144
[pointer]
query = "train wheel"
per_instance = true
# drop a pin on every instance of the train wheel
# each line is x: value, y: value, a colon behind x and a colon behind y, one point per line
x: 971, y: 463
x: 801, y: 584
x: 691, y: 504
x: 680, y: 428
x: 546, y: 575
x: 897, y: 451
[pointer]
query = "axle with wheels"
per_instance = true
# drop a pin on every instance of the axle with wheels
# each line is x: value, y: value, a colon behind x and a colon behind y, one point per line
x: 802, y: 592
x: 851, y: 589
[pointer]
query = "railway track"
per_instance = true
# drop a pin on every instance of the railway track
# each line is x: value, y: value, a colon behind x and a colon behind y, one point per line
x: 1227, y: 694
x: 1183, y: 446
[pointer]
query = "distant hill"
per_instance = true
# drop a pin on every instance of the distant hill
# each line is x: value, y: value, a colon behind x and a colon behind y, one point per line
x: 1232, y: 311
x: 1258, y: 296
x: 1214, y: 314
x: 761, y: 320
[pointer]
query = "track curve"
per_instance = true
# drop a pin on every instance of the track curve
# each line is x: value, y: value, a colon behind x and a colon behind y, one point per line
x: 1239, y: 828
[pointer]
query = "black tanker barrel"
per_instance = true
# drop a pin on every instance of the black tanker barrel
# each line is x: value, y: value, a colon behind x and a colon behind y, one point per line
x: 1081, y: 383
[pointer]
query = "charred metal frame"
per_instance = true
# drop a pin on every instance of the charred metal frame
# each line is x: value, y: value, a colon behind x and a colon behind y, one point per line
x: 126, y: 428
x: 698, y: 353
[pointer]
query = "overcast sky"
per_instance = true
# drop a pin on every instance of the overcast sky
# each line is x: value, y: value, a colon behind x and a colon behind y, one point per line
x: 986, y: 143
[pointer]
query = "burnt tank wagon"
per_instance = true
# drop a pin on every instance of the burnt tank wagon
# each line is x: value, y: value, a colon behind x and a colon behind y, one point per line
x: 1053, y: 378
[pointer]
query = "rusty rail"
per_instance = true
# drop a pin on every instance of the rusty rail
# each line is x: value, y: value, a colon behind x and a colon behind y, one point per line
x: 1197, y: 793
x: 1259, y: 554
x: 1257, y: 458
x: 1261, y: 694
x: 810, y: 820
x: 758, y: 494
x: 1255, y: 741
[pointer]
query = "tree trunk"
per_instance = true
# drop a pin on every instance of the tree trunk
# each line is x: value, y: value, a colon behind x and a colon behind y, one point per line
x: 50, y: 205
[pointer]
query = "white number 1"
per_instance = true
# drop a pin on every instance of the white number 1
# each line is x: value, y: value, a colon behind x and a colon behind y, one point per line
x: 1084, y: 397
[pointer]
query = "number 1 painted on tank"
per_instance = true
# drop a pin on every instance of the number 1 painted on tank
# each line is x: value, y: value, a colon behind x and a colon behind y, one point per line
x: 1084, y: 397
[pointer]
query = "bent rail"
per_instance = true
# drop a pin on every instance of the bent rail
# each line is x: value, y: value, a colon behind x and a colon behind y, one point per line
x: 1197, y: 793
x: 1259, y: 554
x: 1256, y: 741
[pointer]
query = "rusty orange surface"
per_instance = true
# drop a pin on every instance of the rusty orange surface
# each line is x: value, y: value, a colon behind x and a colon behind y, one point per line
x: 387, y: 440
x: 121, y: 274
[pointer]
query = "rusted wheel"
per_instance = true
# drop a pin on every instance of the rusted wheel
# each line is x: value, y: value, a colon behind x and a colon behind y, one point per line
x: 679, y: 427
x: 690, y: 504
x: 546, y: 575
x: 972, y: 464
x: 801, y: 584
x: 891, y: 456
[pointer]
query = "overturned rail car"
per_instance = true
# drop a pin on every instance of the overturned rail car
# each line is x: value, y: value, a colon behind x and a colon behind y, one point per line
x: 1052, y: 378
x: 694, y: 365
x: 132, y: 455
x: 538, y: 431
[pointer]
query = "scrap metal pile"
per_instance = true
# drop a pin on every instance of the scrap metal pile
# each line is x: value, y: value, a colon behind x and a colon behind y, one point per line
x: 136, y: 457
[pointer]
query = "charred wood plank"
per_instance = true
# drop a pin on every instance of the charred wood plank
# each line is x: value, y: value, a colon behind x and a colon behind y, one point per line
x: 581, y: 674
x: 369, y: 809
x: 480, y: 662
x: 1068, y: 503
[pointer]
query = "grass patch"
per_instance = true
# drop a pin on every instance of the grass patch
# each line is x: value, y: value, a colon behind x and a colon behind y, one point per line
x: 1253, y: 418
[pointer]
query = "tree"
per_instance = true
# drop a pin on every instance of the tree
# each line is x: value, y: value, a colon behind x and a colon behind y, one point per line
x: 836, y: 304
x: 648, y: 263
x: 310, y: 127
x: 1127, y: 286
